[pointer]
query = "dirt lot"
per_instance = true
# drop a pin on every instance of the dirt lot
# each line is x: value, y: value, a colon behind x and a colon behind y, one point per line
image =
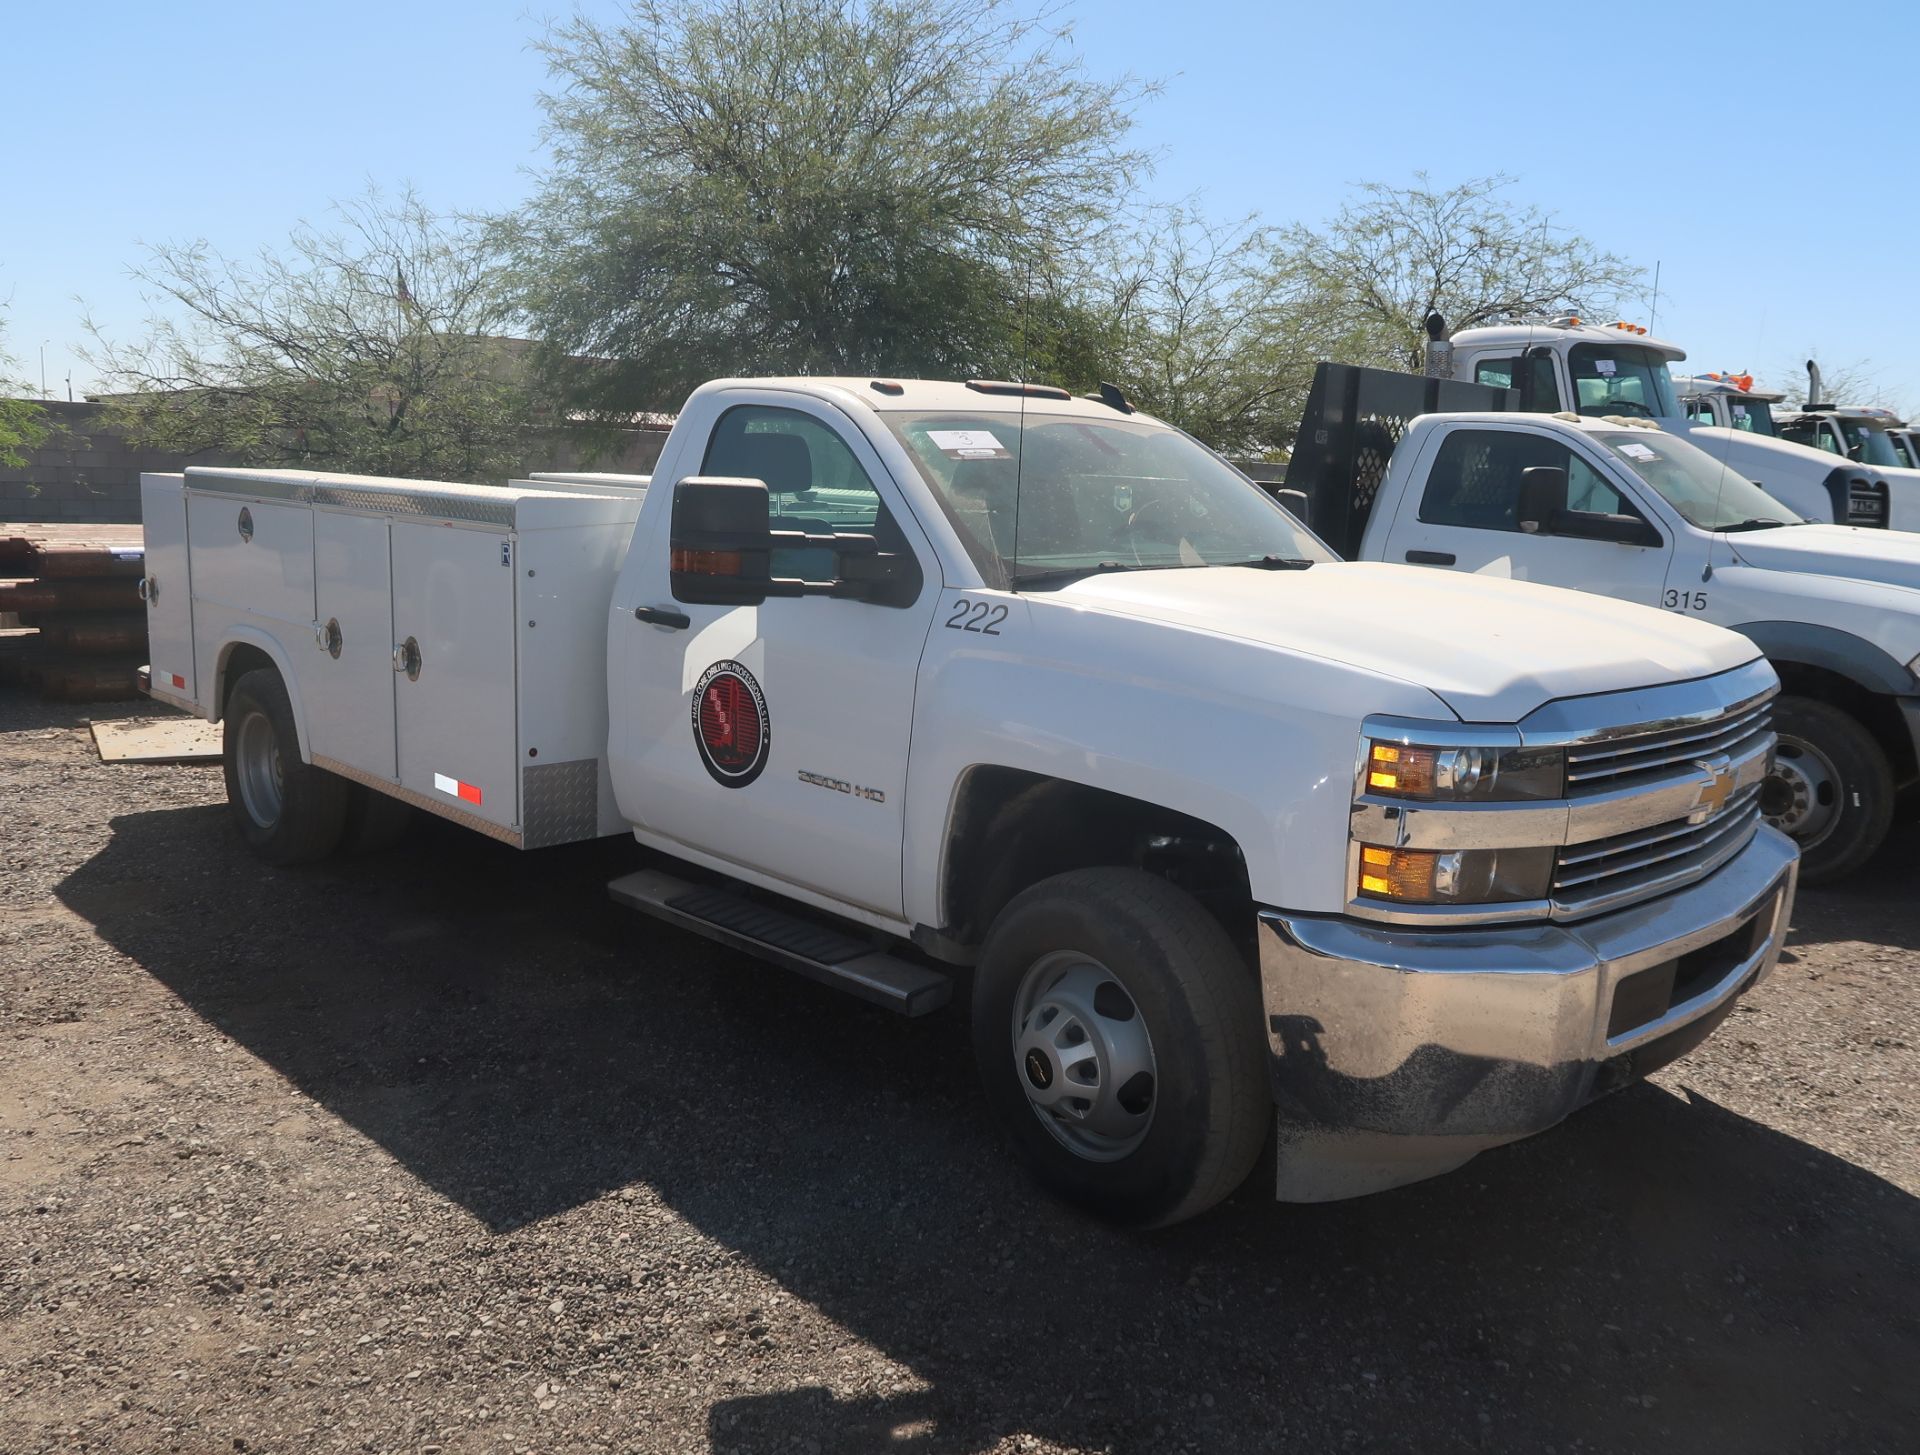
x: 440, y: 1151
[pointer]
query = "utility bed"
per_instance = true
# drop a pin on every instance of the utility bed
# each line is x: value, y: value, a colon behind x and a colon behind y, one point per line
x: 443, y: 643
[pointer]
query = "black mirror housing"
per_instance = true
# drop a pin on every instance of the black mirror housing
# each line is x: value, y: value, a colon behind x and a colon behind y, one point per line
x: 721, y: 541
x: 1592, y: 525
x: 1543, y: 495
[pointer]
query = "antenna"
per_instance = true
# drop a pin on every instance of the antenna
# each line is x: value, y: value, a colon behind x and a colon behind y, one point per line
x: 1653, y: 308
x: 1020, y: 440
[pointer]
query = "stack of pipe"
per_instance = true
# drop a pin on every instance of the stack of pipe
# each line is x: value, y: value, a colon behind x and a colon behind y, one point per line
x: 71, y: 623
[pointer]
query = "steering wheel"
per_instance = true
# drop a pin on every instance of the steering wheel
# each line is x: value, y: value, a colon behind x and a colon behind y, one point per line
x: 1629, y: 406
x: 1146, y: 514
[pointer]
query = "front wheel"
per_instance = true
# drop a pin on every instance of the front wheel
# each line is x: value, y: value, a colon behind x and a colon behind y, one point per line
x: 1118, y: 1035
x: 1831, y: 789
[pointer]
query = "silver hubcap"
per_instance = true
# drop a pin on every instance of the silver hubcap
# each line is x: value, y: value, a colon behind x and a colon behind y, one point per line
x: 1083, y: 1056
x: 1801, y: 797
x: 257, y: 758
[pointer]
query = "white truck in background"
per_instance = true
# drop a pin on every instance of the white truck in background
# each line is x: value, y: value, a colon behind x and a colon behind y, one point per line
x: 1400, y: 468
x: 912, y: 682
x: 1864, y: 434
x: 1727, y: 401
x: 1593, y: 371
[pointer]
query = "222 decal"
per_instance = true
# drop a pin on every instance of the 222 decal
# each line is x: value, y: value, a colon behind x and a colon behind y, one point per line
x: 730, y: 724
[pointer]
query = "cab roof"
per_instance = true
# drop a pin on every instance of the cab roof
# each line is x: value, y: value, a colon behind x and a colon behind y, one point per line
x: 981, y: 396
x: 1686, y: 385
x: 1563, y: 330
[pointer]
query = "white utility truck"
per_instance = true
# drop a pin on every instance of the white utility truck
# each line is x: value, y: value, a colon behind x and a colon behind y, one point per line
x: 1566, y: 364
x: 1727, y: 401
x: 1617, y: 507
x: 903, y: 679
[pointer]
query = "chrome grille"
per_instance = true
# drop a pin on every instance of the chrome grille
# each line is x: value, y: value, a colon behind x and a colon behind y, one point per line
x: 1629, y: 866
x: 1606, y: 873
x: 1619, y: 762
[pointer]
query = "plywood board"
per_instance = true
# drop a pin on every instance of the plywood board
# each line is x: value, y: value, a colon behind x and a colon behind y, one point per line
x: 158, y: 740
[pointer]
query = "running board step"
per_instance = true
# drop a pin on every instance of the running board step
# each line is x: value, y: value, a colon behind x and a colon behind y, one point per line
x: 817, y: 951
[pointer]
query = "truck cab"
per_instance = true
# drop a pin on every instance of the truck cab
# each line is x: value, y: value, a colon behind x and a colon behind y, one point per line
x: 1728, y: 401
x: 1621, y: 370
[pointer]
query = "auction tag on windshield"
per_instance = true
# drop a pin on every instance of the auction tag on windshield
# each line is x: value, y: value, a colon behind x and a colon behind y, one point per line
x: 1604, y: 366
x: 969, y: 444
x: 1634, y: 450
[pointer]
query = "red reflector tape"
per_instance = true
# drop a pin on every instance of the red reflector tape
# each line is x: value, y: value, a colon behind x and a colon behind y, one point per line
x: 467, y: 792
x: 177, y: 680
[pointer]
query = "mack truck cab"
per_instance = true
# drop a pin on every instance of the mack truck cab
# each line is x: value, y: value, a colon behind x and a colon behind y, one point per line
x: 1621, y: 370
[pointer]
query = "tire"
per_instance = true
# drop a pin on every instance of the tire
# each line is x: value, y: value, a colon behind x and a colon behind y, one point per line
x: 288, y: 811
x: 1831, y: 789
x: 376, y: 821
x: 1088, y: 954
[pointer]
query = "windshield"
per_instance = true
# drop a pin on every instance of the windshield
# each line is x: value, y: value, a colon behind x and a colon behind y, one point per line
x: 1085, y: 494
x: 1871, y: 441
x: 1704, y: 491
x: 1621, y: 379
x: 1751, y: 415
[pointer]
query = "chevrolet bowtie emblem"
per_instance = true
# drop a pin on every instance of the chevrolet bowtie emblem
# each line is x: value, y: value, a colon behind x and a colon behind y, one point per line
x: 1715, y: 792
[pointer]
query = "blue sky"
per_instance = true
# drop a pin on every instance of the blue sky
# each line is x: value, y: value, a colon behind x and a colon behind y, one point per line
x: 1769, y: 166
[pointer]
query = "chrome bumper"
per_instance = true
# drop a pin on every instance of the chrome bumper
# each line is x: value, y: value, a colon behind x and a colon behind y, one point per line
x: 1398, y: 1054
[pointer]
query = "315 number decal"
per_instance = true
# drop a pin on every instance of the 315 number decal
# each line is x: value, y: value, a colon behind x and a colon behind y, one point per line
x: 1685, y: 601
x: 983, y: 617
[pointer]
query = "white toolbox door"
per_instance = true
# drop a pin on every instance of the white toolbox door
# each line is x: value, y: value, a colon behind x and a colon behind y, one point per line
x: 453, y: 599
x: 347, y: 681
x: 169, y: 592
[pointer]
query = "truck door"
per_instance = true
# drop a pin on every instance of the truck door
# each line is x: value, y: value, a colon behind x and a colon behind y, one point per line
x: 165, y: 587
x: 1462, y: 514
x: 775, y: 736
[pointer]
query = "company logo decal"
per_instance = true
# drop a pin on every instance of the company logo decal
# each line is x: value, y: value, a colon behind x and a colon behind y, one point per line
x: 730, y: 724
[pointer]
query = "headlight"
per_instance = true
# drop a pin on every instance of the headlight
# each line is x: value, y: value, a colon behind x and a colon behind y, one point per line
x: 1454, y: 876
x: 1459, y: 774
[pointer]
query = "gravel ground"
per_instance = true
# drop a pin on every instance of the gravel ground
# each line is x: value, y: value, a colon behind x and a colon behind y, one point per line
x: 439, y: 1151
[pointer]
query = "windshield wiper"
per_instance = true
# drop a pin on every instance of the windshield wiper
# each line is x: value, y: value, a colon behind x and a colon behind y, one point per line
x: 1061, y: 575
x: 1272, y: 563
x: 1750, y: 523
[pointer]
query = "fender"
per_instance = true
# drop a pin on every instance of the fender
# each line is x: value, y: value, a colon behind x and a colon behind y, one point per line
x: 1852, y: 657
x: 252, y: 636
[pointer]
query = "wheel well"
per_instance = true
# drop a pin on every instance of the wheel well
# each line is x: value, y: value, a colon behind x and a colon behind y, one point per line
x: 1874, y: 711
x: 240, y: 660
x: 1011, y: 829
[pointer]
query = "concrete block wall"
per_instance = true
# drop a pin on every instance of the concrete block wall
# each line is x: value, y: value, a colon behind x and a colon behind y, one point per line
x: 83, y: 472
x: 91, y: 474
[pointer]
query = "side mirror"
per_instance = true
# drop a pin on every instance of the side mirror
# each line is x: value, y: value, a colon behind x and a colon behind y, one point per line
x: 1295, y: 501
x: 1543, y: 495
x: 721, y: 546
x: 1591, y: 525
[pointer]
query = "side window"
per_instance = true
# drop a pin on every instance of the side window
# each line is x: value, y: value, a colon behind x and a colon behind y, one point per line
x: 1497, y: 372
x: 1475, y: 480
x: 813, y: 479
x: 1589, y: 490
x: 1700, y: 410
x: 814, y: 484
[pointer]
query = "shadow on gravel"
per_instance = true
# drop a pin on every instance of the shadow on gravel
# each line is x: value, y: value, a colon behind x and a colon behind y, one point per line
x: 1659, y: 1273
x: 1876, y: 904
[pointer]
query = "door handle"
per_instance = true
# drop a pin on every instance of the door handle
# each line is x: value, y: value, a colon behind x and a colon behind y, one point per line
x: 1432, y: 558
x: 662, y: 616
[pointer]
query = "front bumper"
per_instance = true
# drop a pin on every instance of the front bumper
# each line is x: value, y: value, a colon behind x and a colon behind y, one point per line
x: 1398, y: 1054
